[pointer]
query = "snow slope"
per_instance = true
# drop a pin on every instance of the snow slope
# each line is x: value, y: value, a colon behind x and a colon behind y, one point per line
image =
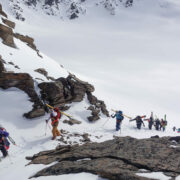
x: 131, y: 58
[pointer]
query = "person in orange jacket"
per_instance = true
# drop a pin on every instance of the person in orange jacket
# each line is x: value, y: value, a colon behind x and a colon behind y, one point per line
x: 55, y: 116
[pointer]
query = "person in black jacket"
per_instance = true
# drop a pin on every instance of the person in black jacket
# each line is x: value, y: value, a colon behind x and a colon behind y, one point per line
x: 139, y: 122
x: 4, y: 143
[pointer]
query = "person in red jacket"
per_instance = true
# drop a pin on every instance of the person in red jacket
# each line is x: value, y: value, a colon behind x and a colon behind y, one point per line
x: 55, y: 116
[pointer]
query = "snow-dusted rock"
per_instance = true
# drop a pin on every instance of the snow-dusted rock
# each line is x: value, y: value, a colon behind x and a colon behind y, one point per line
x: 120, y: 158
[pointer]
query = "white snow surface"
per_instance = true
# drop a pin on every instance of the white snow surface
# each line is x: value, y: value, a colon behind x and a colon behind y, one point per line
x: 132, y: 58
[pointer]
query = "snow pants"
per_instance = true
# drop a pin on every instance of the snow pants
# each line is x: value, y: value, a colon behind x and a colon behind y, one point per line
x: 118, y: 125
x: 3, y: 150
x: 150, y: 126
x: 55, y: 131
x: 139, y: 125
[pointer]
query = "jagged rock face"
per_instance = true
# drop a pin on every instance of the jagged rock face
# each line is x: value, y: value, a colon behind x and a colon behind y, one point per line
x: 25, y: 83
x: 71, y: 89
x: 28, y: 40
x: 2, y: 69
x: 2, y: 12
x: 9, y: 23
x: 64, y: 90
x: 123, y: 158
x: 6, y: 34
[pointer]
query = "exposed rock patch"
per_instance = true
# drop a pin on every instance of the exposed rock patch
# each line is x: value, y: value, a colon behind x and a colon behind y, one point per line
x: 44, y: 73
x: 72, y: 121
x: 120, y: 158
x: 2, y: 12
x: 28, y: 40
x: 25, y: 83
x: 9, y: 23
x: 71, y: 89
x: 2, y: 68
x: 6, y: 34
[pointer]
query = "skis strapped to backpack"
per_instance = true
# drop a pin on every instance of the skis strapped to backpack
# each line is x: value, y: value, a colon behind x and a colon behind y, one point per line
x: 60, y: 111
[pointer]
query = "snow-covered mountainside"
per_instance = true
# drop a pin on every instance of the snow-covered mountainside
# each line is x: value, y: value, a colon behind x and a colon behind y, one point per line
x: 128, y: 49
x: 64, y: 8
x: 72, y: 9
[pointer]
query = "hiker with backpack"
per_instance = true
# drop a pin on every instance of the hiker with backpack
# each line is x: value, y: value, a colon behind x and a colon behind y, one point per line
x: 163, y: 124
x: 157, y: 124
x: 55, y: 116
x: 119, y: 117
x: 4, y: 143
x: 139, y: 121
x: 150, y: 121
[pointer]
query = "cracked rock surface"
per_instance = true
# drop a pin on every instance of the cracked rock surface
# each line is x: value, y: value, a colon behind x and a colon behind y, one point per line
x: 120, y: 158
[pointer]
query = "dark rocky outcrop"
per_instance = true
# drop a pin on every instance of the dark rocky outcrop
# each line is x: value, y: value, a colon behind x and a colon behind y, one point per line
x: 28, y: 40
x: 129, y: 3
x: 25, y: 83
x: 44, y: 73
x: 2, y: 68
x: 72, y: 121
x: 120, y: 158
x: 9, y: 23
x: 71, y: 89
x: 6, y: 33
x: 2, y: 12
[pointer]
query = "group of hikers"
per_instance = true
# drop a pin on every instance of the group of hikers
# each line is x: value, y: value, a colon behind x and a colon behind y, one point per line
x: 56, y: 114
x: 156, y: 122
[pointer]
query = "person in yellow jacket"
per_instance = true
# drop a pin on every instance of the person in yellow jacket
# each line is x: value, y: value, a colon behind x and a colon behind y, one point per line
x: 55, y: 116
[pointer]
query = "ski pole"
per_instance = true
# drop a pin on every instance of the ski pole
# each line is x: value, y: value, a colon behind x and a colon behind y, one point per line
x: 105, y: 123
x: 101, y: 126
x: 13, y: 142
x: 46, y: 129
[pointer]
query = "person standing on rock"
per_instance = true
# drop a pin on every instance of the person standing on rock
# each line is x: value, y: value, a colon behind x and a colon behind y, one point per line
x: 119, y: 117
x: 4, y: 143
x: 55, y: 116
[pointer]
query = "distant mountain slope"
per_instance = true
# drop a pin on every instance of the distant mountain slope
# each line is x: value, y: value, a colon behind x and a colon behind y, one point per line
x: 72, y: 9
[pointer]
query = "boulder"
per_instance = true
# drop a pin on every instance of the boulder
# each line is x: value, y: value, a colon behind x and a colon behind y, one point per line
x: 97, y: 103
x: 52, y: 92
x: 72, y: 121
x: 120, y: 158
x: 94, y: 113
x: 68, y: 90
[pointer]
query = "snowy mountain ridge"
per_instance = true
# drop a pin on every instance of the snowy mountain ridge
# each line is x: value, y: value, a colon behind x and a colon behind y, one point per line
x: 71, y: 9
x: 26, y: 77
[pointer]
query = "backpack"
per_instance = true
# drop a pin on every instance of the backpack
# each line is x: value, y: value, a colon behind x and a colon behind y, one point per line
x: 119, y: 115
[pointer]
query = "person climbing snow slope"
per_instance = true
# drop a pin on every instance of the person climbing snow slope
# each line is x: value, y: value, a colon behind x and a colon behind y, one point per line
x: 4, y: 143
x: 119, y: 117
x: 55, y: 116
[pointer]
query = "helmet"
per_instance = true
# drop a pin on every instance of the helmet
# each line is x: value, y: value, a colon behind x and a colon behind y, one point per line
x: 120, y: 112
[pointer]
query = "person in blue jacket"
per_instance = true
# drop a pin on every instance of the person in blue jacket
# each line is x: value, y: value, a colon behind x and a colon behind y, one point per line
x: 119, y: 117
x: 4, y: 143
